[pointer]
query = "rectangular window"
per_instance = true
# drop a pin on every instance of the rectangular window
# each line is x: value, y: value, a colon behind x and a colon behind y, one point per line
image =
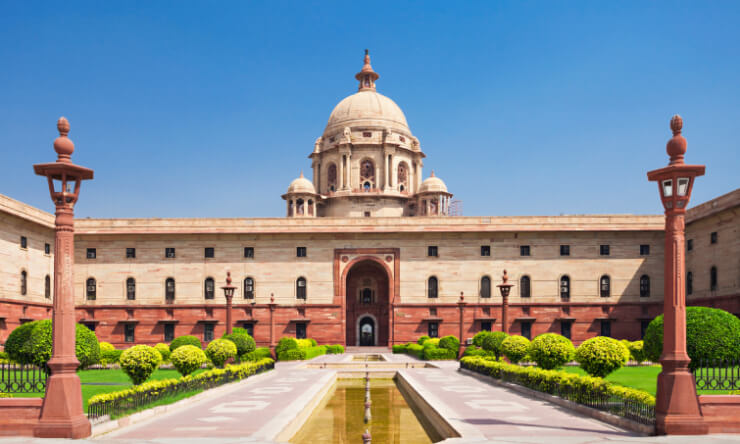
x: 24, y: 242
x: 432, y: 251
x: 644, y: 250
x: 300, y: 330
x: 249, y: 327
x: 91, y: 253
x: 210, y: 252
x: 606, y: 327
x: 527, y: 329
x: 485, y: 326
x: 367, y: 214
x: 169, y: 253
x: 47, y: 249
x: 300, y: 251
x: 643, y: 327
x: 712, y: 238
x: 433, y: 329
x: 90, y: 325
x: 128, y: 332
x: 565, y: 328
x: 524, y: 250
x: 207, y: 332
x: 169, y: 332
x: 690, y: 244
x: 485, y: 250
x: 565, y: 250
x: 249, y: 252
x: 130, y: 253
x: 604, y: 250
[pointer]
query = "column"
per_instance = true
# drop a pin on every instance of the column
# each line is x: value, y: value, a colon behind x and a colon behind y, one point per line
x: 341, y: 172
x: 386, y: 175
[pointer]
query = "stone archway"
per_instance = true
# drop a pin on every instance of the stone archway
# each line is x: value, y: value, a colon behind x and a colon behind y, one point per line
x: 367, y: 303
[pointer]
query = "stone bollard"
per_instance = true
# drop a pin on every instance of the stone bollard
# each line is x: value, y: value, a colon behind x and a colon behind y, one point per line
x: 366, y: 438
x: 368, y: 416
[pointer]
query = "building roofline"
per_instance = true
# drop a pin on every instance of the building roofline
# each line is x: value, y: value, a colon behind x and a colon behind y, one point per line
x: 24, y: 211
x: 714, y: 206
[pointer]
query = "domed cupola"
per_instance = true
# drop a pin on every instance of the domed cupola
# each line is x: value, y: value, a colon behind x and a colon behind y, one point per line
x: 433, y: 199
x: 301, y: 198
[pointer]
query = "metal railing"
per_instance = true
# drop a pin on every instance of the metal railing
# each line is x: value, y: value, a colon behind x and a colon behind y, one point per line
x: 718, y: 374
x: 22, y: 378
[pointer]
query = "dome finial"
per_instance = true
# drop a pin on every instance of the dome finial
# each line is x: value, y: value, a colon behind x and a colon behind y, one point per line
x: 367, y: 76
x: 63, y: 145
x: 301, y: 176
x: 432, y: 175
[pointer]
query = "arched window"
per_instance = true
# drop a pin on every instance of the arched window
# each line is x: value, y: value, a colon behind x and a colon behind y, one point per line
x: 367, y: 174
x: 331, y: 177
x: 169, y: 289
x: 248, y: 288
x: 605, y: 286
x: 367, y: 296
x: 689, y: 282
x: 130, y: 289
x: 644, y: 286
x: 47, y: 287
x: 300, y: 288
x: 525, y: 289
x: 713, y: 278
x: 565, y: 287
x: 299, y: 207
x: 209, y: 288
x: 485, y: 287
x: 403, y: 177
x: 91, y: 288
x: 24, y: 282
x: 432, y: 287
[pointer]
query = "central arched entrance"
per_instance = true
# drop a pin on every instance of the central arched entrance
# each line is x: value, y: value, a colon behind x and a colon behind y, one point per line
x: 367, y: 304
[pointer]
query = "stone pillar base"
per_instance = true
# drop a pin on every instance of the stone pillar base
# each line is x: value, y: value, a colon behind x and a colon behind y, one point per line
x: 61, y: 413
x: 677, y: 410
x: 680, y: 425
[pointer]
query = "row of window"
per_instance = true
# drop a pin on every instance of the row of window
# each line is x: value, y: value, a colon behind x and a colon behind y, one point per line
x: 525, y: 328
x: 712, y: 280
x: 712, y: 240
x: 24, y: 245
x: 526, y: 250
x: 24, y: 284
x: 129, y: 331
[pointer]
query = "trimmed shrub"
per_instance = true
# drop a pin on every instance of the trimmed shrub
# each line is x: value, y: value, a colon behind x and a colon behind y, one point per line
x: 431, y: 343
x: 474, y: 351
x: 551, y: 350
x: 4, y: 358
x: 139, y: 362
x: 244, y: 343
x: 435, y: 353
x: 336, y: 349
x: 5, y: 395
x: 711, y: 334
x: 601, y: 355
x: 106, y: 346
x: 292, y: 354
x: 400, y: 348
x: 285, y: 343
x: 257, y: 354
x: 110, y: 357
x: 637, y: 351
x: 492, y: 342
x: 317, y: 350
x: 163, y: 350
x: 15, y: 342
x: 39, y: 344
x: 313, y: 342
x: 480, y: 336
x: 515, y: 348
x: 185, y: 340
x: 220, y: 350
x: 305, y: 343
x: 187, y: 359
x: 450, y: 343
x: 422, y: 339
x: 415, y: 350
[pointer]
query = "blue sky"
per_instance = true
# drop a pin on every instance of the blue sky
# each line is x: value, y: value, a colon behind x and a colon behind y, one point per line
x: 209, y: 109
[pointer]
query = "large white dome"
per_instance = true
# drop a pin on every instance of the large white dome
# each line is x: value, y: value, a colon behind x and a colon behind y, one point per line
x: 367, y: 108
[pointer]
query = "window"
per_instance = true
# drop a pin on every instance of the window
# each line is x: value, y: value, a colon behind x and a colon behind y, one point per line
x: 524, y: 250
x: 91, y: 288
x: 47, y: 248
x: 24, y: 242
x: 565, y: 287
x: 644, y: 250
x: 526, y: 327
x: 485, y: 287
x: 565, y: 328
x: 249, y: 327
x: 432, y: 251
x: 209, y: 288
x: 432, y: 287
x: 689, y: 282
x: 249, y: 252
x: 169, y: 253
x: 690, y: 244
x: 90, y: 325
x: 565, y: 250
x: 207, y: 332
x: 485, y: 250
x: 403, y: 177
x: 128, y: 332
x: 367, y: 214
x: 24, y: 282
x: 47, y: 287
x: 604, y: 250
x: 130, y: 289
x: 300, y: 251
x: 643, y: 327
x: 366, y: 296
x: 300, y: 330
x: 605, y: 286
x: 300, y: 288
x: 486, y: 325
x: 92, y: 253
x: 210, y: 252
x: 169, y: 332
x: 712, y: 237
x: 248, y: 288
x: 331, y: 177
x: 606, y: 328
x: 713, y: 278
x: 130, y: 253
x: 433, y: 329
x: 169, y: 289
x: 524, y: 287
x: 644, y: 286
x: 367, y: 174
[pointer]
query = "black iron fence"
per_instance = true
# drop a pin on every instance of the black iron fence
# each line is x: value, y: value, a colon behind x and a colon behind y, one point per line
x: 17, y: 378
x: 718, y: 374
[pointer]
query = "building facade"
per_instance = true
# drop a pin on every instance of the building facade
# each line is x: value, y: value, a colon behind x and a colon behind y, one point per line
x: 368, y: 254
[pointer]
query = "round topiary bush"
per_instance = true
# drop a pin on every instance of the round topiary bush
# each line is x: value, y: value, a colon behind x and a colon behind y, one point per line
x: 163, y: 350
x: 479, y: 337
x: 38, y: 345
x: 601, y: 355
x: 188, y: 359
x: 15, y: 342
x: 450, y: 343
x: 423, y: 339
x: 551, y: 350
x: 139, y: 362
x: 711, y: 334
x: 185, y: 340
x: 244, y: 343
x: 515, y: 348
x: 106, y: 346
x: 220, y: 350
x: 637, y: 351
x: 492, y: 343
x: 285, y: 343
x: 429, y: 343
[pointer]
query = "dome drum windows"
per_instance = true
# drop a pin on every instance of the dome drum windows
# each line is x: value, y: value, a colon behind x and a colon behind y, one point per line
x: 403, y: 177
x: 367, y: 175
x: 331, y: 177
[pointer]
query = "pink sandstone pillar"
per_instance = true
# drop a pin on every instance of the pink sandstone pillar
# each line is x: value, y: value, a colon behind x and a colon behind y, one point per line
x: 229, y: 294
x: 505, y: 288
x: 461, y: 307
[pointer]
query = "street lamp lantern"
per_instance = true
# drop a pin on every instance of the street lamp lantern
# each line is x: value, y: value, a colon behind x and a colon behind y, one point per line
x: 505, y: 288
x: 677, y: 408
x: 229, y: 293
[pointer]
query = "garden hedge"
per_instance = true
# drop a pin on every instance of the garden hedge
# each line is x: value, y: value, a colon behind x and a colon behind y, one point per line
x: 492, y: 342
x: 400, y: 348
x: 110, y: 357
x: 451, y: 343
x: 31, y: 343
x: 551, y: 350
x: 637, y: 351
x: 423, y: 339
x: 601, y: 355
x: 435, y: 353
x: 515, y: 348
x: 15, y: 342
x: 336, y: 349
x: 220, y: 350
x: 139, y: 362
x: 286, y: 343
x: 164, y: 351
x: 185, y: 340
x: 479, y: 337
x: 302, y: 353
x: 187, y: 359
x: 244, y: 343
x: 257, y: 354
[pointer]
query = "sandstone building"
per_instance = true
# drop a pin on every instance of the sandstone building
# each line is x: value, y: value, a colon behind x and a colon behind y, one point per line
x: 368, y: 254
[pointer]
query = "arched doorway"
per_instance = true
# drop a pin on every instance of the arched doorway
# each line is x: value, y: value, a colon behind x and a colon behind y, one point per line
x: 367, y: 304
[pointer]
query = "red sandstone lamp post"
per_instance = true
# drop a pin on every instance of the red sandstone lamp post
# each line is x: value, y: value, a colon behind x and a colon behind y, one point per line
x: 229, y: 293
x: 505, y: 288
x: 677, y: 410
x: 61, y: 412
